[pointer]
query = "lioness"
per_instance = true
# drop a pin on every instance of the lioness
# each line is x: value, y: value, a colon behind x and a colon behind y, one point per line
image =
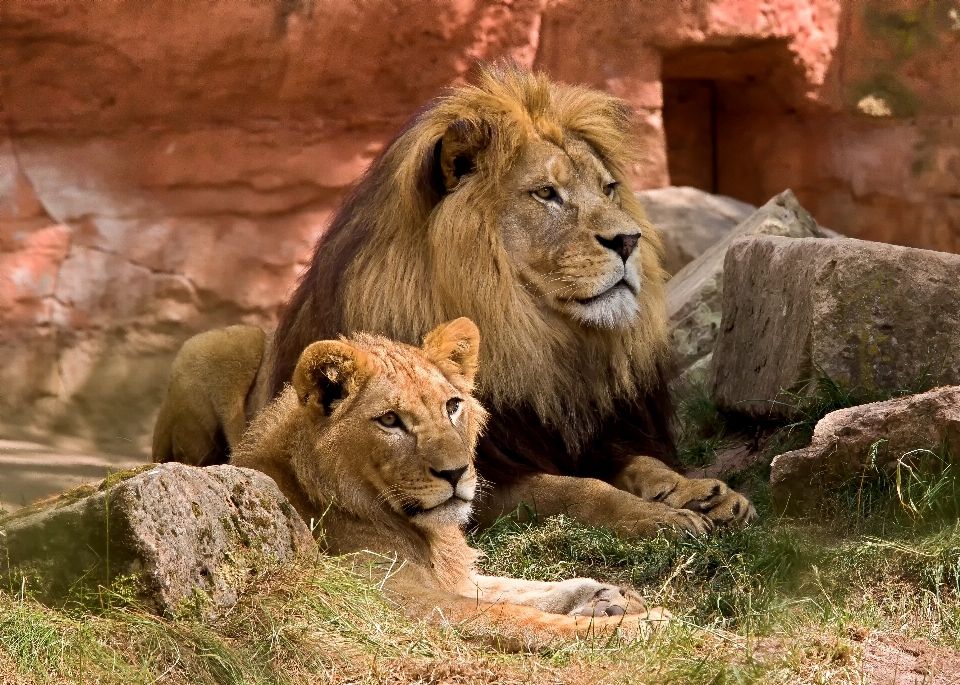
x: 508, y: 202
x: 376, y: 440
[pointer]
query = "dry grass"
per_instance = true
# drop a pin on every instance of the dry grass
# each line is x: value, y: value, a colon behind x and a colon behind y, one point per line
x: 783, y: 601
x: 779, y: 602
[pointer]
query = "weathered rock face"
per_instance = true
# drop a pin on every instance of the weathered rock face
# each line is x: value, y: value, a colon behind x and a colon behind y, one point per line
x: 165, y: 168
x: 695, y: 293
x: 842, y: 447
x: 690, y: 221
x: 867, y: 315
x: 175, y: 528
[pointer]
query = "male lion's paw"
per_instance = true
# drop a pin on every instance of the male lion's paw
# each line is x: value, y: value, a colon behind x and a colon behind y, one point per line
x: 687, y: 521
x: 713, y: 499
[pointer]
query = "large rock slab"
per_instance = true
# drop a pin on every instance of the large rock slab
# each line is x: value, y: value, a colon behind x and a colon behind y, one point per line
x: 691, y: 221
x: 166, y: 167
x: 174, y: 528
x: 843, y: 443
x: 695, y: 293
x: 876, y: 317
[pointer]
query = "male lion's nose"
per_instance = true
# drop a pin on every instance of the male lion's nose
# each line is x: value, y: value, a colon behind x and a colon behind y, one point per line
x: 452, y: 476
x: 623, y: 244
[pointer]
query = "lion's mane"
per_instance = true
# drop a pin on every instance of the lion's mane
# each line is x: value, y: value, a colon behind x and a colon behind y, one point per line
x: 403, y: 254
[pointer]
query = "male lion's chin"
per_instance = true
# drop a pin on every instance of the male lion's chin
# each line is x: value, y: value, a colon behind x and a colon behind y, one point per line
x: 616, y: 308
x: 454, y: 511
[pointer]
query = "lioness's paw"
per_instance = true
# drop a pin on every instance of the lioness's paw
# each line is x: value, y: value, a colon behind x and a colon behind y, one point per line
x: 629, y: 626
x: 658, y: 617
x: 713, y: 499
x: 610, y: 600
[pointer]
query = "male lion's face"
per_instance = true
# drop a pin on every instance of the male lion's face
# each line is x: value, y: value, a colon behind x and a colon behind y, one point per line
x: 564, y: 230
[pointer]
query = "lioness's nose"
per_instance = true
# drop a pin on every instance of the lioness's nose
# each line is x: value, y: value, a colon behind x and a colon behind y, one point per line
x: 623, y: 244
x: 452, y: 476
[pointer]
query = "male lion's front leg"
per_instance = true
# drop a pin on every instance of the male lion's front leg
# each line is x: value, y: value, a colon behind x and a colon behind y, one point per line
x: 591, y: 501
x: 654, y: 481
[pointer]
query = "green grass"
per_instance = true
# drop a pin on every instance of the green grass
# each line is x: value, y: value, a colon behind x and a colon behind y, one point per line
x: 316, y: 622
x: 315, y: 618
x: 873, y: 560
x: 703, y: 430
x: 776, y: 602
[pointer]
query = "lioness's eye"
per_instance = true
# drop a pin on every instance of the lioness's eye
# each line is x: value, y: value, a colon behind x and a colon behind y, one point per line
x: 546, y: 193
x: 390, y: 420
x: 453, y: 405
x: 610, y: 189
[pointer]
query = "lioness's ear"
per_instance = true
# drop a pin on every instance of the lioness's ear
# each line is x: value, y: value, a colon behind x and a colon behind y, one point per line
x: 327, y: 372
x: 455, y: 348
x: 456, y: 152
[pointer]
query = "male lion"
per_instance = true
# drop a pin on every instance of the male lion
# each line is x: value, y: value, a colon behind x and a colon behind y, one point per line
x: 205, y: 410
x: 507, y: 202
x: 376, y: 440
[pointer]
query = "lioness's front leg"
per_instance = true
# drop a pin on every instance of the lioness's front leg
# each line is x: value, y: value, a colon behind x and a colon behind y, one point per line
x: 513, y: 627
x: 591, y: 501
x: 575, y: 596
x: 654, y: 481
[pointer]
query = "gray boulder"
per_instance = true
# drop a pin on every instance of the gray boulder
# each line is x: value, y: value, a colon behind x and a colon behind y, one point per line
x: 174, y: 528
x: 690, y: 221
x: 695, y: 293
x: 871, y: 316
x: 851, y: 442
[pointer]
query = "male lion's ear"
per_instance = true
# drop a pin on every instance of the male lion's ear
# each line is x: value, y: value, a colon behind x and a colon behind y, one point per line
x: 456, y: 152
x: 455, y: 348
x: 326, y: 373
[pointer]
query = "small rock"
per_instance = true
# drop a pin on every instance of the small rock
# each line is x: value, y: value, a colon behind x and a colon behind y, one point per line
x: 175, y: 528
x: 870, y: 316
x: 695, y: 293
x: 842, y: 446
x: 690, y: 221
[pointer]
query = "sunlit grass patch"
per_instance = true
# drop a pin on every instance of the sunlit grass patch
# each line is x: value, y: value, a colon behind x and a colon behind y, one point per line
x: 785, y: 600
x: 876, y: 557
x: 319, y: 622
x: 314, y: 618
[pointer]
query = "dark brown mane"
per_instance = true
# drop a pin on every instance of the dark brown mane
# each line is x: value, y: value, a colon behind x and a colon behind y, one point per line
x: 576, y: 402
x: 315, y: 310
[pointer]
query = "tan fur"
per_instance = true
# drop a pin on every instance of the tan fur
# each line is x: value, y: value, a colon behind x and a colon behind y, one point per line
x: 521, y: 268
x: 467, y: 269
x: 491, y: 255
x: 205, y: 402
x: 381, y: 491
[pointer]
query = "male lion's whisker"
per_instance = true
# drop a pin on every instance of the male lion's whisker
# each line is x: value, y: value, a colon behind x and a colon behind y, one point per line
x: 557, y: 291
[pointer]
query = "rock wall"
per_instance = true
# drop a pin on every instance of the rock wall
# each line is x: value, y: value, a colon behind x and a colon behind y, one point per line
x: 166, y: 167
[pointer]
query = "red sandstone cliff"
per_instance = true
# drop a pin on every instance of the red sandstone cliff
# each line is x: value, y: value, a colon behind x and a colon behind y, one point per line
x: 166, y: 167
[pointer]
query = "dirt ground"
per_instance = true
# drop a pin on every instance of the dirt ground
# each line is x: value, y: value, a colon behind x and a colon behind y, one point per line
x: 892, y: 660
x: 29, y: 471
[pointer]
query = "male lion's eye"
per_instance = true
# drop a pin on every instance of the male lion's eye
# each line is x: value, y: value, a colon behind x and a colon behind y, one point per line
x: 546, y: 193
x: 610, y: 189
x: 390, y: 420
x: 453, y: 406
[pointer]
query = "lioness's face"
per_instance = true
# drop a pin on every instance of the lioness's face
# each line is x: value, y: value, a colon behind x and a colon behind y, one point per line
x: 387, y: 427
x: 418, y: 451
x: 391, y: 426
x: 565, y: 232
